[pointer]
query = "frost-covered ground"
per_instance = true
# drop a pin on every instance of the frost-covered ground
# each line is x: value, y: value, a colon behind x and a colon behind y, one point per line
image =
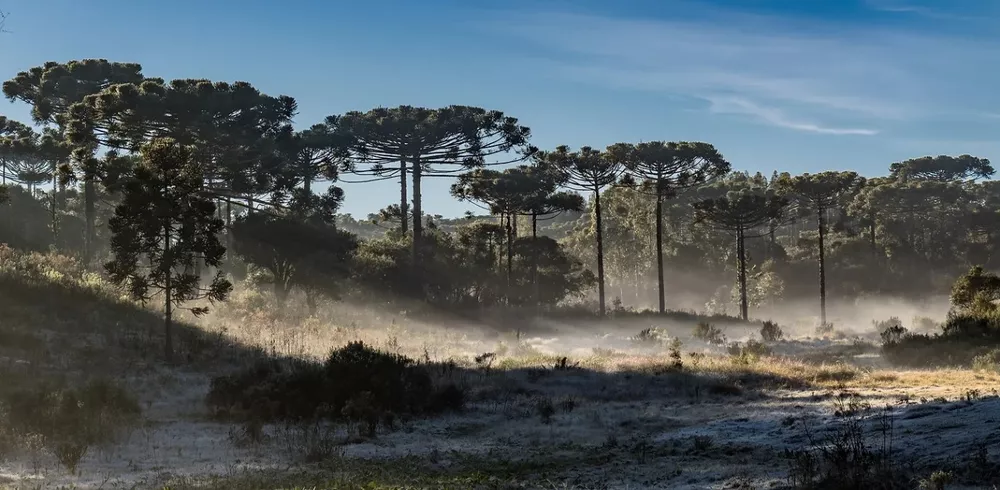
x: 619, y: 420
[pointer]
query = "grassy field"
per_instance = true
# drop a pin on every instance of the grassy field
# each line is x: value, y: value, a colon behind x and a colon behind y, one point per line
x: 606, y: 405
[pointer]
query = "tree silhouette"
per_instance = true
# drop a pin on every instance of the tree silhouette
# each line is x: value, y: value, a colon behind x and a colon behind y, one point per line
x: 942, y: 168
x: 52, y: 89
x: 819, y: 193
x: 587, y: 170
x: 666, y: 168
x: 420, y: 141
x: 741, y: 212
x: 309, y: 255
x: 506, y: 193
x: 164, y: 220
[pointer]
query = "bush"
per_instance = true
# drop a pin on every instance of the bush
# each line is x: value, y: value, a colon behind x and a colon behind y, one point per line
x: 882, y: 325
x: 709, y: 333
x: 71, y: 420
x: 893, y: 334
x: 356, y: 383
x: 651, y: 336
x: 989, y: 361
x: 771, y: 332
x: 748, y: 352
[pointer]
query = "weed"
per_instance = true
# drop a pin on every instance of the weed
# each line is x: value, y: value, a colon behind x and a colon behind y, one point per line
x: 848, y: 459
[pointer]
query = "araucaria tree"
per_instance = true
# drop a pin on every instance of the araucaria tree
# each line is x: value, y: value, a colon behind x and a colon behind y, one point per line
x: 391, y: 142
x: 742, y: 213
x: 664, y: 169
x: 587, y: 170
x: 51, y: 90
x: 819, y: 193
x: 162, y: 225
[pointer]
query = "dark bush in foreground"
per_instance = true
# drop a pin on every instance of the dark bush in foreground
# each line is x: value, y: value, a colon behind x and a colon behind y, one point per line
x: 356, y: 383
x: 69, y: 421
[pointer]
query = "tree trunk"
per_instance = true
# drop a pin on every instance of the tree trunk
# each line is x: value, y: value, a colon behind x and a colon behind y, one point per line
x: 229, y: 234
x: 510, y: 254
x: 600, y: 249
x: 307, y: 184
x: 742, y: 258
x: 90, y: 213
x: 418, y: 225
x: 168, y: 337
x: 871, y: 237
x: 659, y: 252
x: 822, y: 269
x: 404, y: 217
x: 54, y: 224
x: 534, y: 260
x: 280, y: 288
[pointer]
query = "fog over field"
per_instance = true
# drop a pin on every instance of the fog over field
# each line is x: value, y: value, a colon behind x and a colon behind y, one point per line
x: 690, y: 245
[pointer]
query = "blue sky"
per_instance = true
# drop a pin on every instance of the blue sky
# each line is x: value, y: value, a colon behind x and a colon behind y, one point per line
x: 796, y: 85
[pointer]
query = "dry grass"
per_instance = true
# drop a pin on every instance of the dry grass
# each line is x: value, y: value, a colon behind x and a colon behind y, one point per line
x: 61, y: 321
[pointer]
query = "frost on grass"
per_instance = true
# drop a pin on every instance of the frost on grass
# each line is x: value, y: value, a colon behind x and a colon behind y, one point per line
x: 598, y: 409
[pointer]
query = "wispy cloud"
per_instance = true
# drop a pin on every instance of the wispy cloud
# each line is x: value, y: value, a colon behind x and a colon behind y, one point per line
x: 790, y: 73
x: 777, y: 117
x: 911, y: 8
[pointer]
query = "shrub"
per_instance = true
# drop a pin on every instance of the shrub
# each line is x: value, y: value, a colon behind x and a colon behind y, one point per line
x: 824, y: 329
x: 989, y: 361
x: 71, y: 420
x: 771, y: 332
x: 748, y: 352
x: 356, y: 383
x: 891, y: 322
x: 651, y: 336
x: 893, y: 334
x: 709, y: 333
x: 675, y: 354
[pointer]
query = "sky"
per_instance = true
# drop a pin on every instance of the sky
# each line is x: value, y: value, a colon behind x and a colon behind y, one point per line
x: 787, y: 85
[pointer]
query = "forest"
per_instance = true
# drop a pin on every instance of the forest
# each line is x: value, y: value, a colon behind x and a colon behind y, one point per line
x: 189, y: 199
x: 119, y: 168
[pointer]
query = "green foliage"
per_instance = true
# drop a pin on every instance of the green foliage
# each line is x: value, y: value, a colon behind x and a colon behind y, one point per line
x: 164, y: 221
x: 942, y: 168
x: 314, y: 257
x: 976, y: 292
x: 356, y: 383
